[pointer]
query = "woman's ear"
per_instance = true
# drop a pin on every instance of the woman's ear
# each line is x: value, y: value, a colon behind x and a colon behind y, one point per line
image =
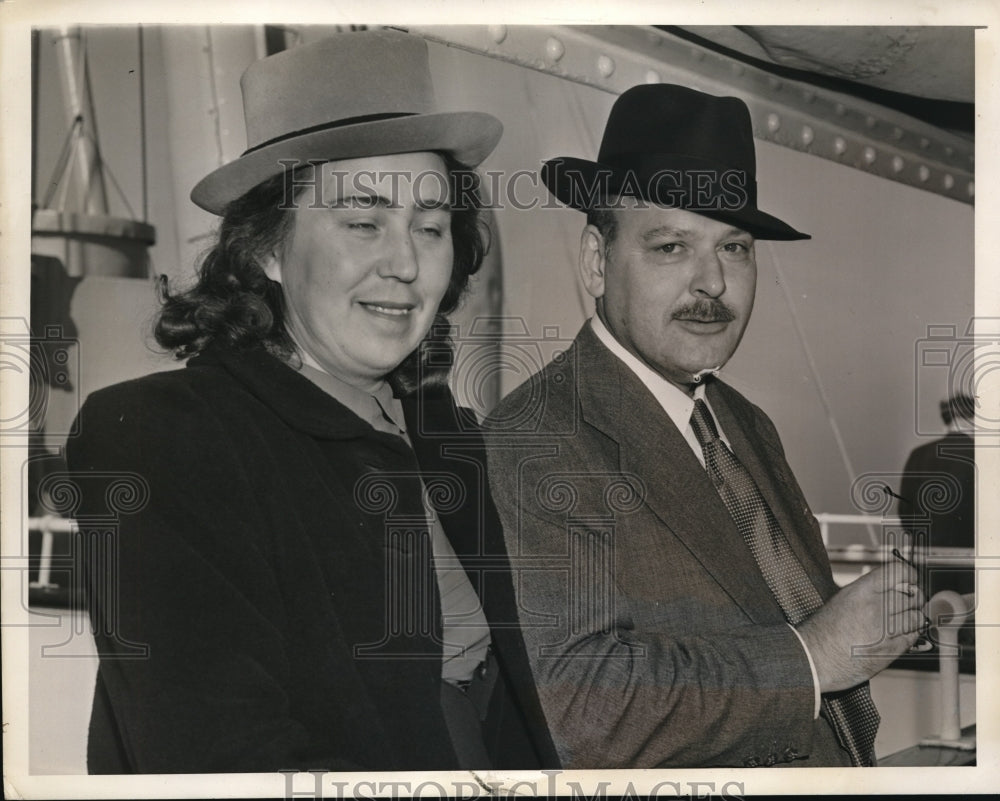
x: 271, y: 264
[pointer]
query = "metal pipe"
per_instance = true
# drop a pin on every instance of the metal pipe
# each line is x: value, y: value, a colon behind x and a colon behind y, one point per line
x: 78, y: 102
x: 48, y: 526
x: 947, y: 611
x: 45, y: 559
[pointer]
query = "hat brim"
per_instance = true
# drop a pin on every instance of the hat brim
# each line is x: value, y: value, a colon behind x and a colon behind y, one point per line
x: 469, y: 136
x: 572, y: 182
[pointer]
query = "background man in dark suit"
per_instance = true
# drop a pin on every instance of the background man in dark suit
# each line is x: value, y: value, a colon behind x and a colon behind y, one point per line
x: 938, y: 492
x: 676, y: 600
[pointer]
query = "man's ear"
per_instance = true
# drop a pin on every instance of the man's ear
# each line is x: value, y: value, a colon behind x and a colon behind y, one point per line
x: 271, y: 265
x: 592, y: 261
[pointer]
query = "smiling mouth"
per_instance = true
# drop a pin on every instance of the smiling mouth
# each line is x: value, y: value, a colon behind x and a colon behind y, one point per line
x: 389, y: 309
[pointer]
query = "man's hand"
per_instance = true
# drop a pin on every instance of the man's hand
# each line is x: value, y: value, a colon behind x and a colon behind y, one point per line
x: 882, y: 610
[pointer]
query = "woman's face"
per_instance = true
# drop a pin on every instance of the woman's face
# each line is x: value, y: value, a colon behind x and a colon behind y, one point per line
x: 367, y: 259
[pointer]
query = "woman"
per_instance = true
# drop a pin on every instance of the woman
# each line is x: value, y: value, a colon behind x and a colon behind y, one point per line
x: 294, y: 584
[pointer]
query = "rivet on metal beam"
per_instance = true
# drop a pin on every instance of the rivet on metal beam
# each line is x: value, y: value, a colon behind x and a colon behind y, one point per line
x: 807, y: 135
x: 738, y: 69
x: 775, y: 83
x: 898, y: 163
x: 869, y: 155
x: 840, y: 110
x: 809, y: 95
x: 840, y: 145
x: 948, y: 181
x: 897, y: 133
x: 773, y: 122
x: 652, y: 76
x: 870, y: 121
x: 924, y: 143
x: 949, y: 150
x: 554, y: 49
x: 924, y: 172
x: 497, y: 32
x: 605, y: 66
x: 698, y: 55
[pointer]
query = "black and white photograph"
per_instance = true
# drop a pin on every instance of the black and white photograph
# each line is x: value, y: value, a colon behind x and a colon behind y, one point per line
x: 499, y: 400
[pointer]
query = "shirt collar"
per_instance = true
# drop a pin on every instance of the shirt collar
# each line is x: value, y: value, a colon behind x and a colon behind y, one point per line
x: 380, y: 409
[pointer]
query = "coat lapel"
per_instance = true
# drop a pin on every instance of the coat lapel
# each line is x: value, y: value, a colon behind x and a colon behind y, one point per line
x: 675, y: 485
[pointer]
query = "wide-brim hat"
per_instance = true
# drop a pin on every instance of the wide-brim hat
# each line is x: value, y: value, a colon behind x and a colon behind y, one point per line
x: 675, y: 147
x: 352, y: 95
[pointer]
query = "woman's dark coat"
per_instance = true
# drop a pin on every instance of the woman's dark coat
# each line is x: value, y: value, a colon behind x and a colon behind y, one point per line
x: 260, y: 579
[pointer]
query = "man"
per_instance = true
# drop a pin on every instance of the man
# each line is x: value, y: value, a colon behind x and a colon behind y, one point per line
x: 938, y: 492
x: 678, y: 607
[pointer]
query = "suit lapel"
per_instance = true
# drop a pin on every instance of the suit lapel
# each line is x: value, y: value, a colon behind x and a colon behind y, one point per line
x: 675, y: 485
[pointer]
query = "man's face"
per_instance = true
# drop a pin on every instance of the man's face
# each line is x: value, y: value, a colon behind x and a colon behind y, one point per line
x: 676, y: 288
x: 363, y: 272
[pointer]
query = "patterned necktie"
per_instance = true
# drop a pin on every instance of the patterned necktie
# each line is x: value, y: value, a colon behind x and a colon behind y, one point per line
x: 851, y: 712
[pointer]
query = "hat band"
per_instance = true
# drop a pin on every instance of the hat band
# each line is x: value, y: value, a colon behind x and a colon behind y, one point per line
x: 328, y: 126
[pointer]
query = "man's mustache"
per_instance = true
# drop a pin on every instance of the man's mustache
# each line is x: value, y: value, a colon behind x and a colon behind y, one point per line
x: 705, y: 311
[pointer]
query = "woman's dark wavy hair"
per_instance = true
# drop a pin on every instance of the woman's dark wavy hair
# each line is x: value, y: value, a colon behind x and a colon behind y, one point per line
x: 236, y: 304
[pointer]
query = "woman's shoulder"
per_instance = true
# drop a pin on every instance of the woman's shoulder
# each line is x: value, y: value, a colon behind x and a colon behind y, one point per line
x: 166, y: 421
x: 198, y: 381
x: 169, y: 401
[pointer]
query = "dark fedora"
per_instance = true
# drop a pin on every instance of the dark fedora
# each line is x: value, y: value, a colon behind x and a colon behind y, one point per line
x: 675, y: 147
x: 352, y: 95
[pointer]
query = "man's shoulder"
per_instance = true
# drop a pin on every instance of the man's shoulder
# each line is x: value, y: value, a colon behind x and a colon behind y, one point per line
x: 735, y: 411
x: 953, y: 446
x: 740, y: 406
x: 736, y: 400
x: 926, y: 450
